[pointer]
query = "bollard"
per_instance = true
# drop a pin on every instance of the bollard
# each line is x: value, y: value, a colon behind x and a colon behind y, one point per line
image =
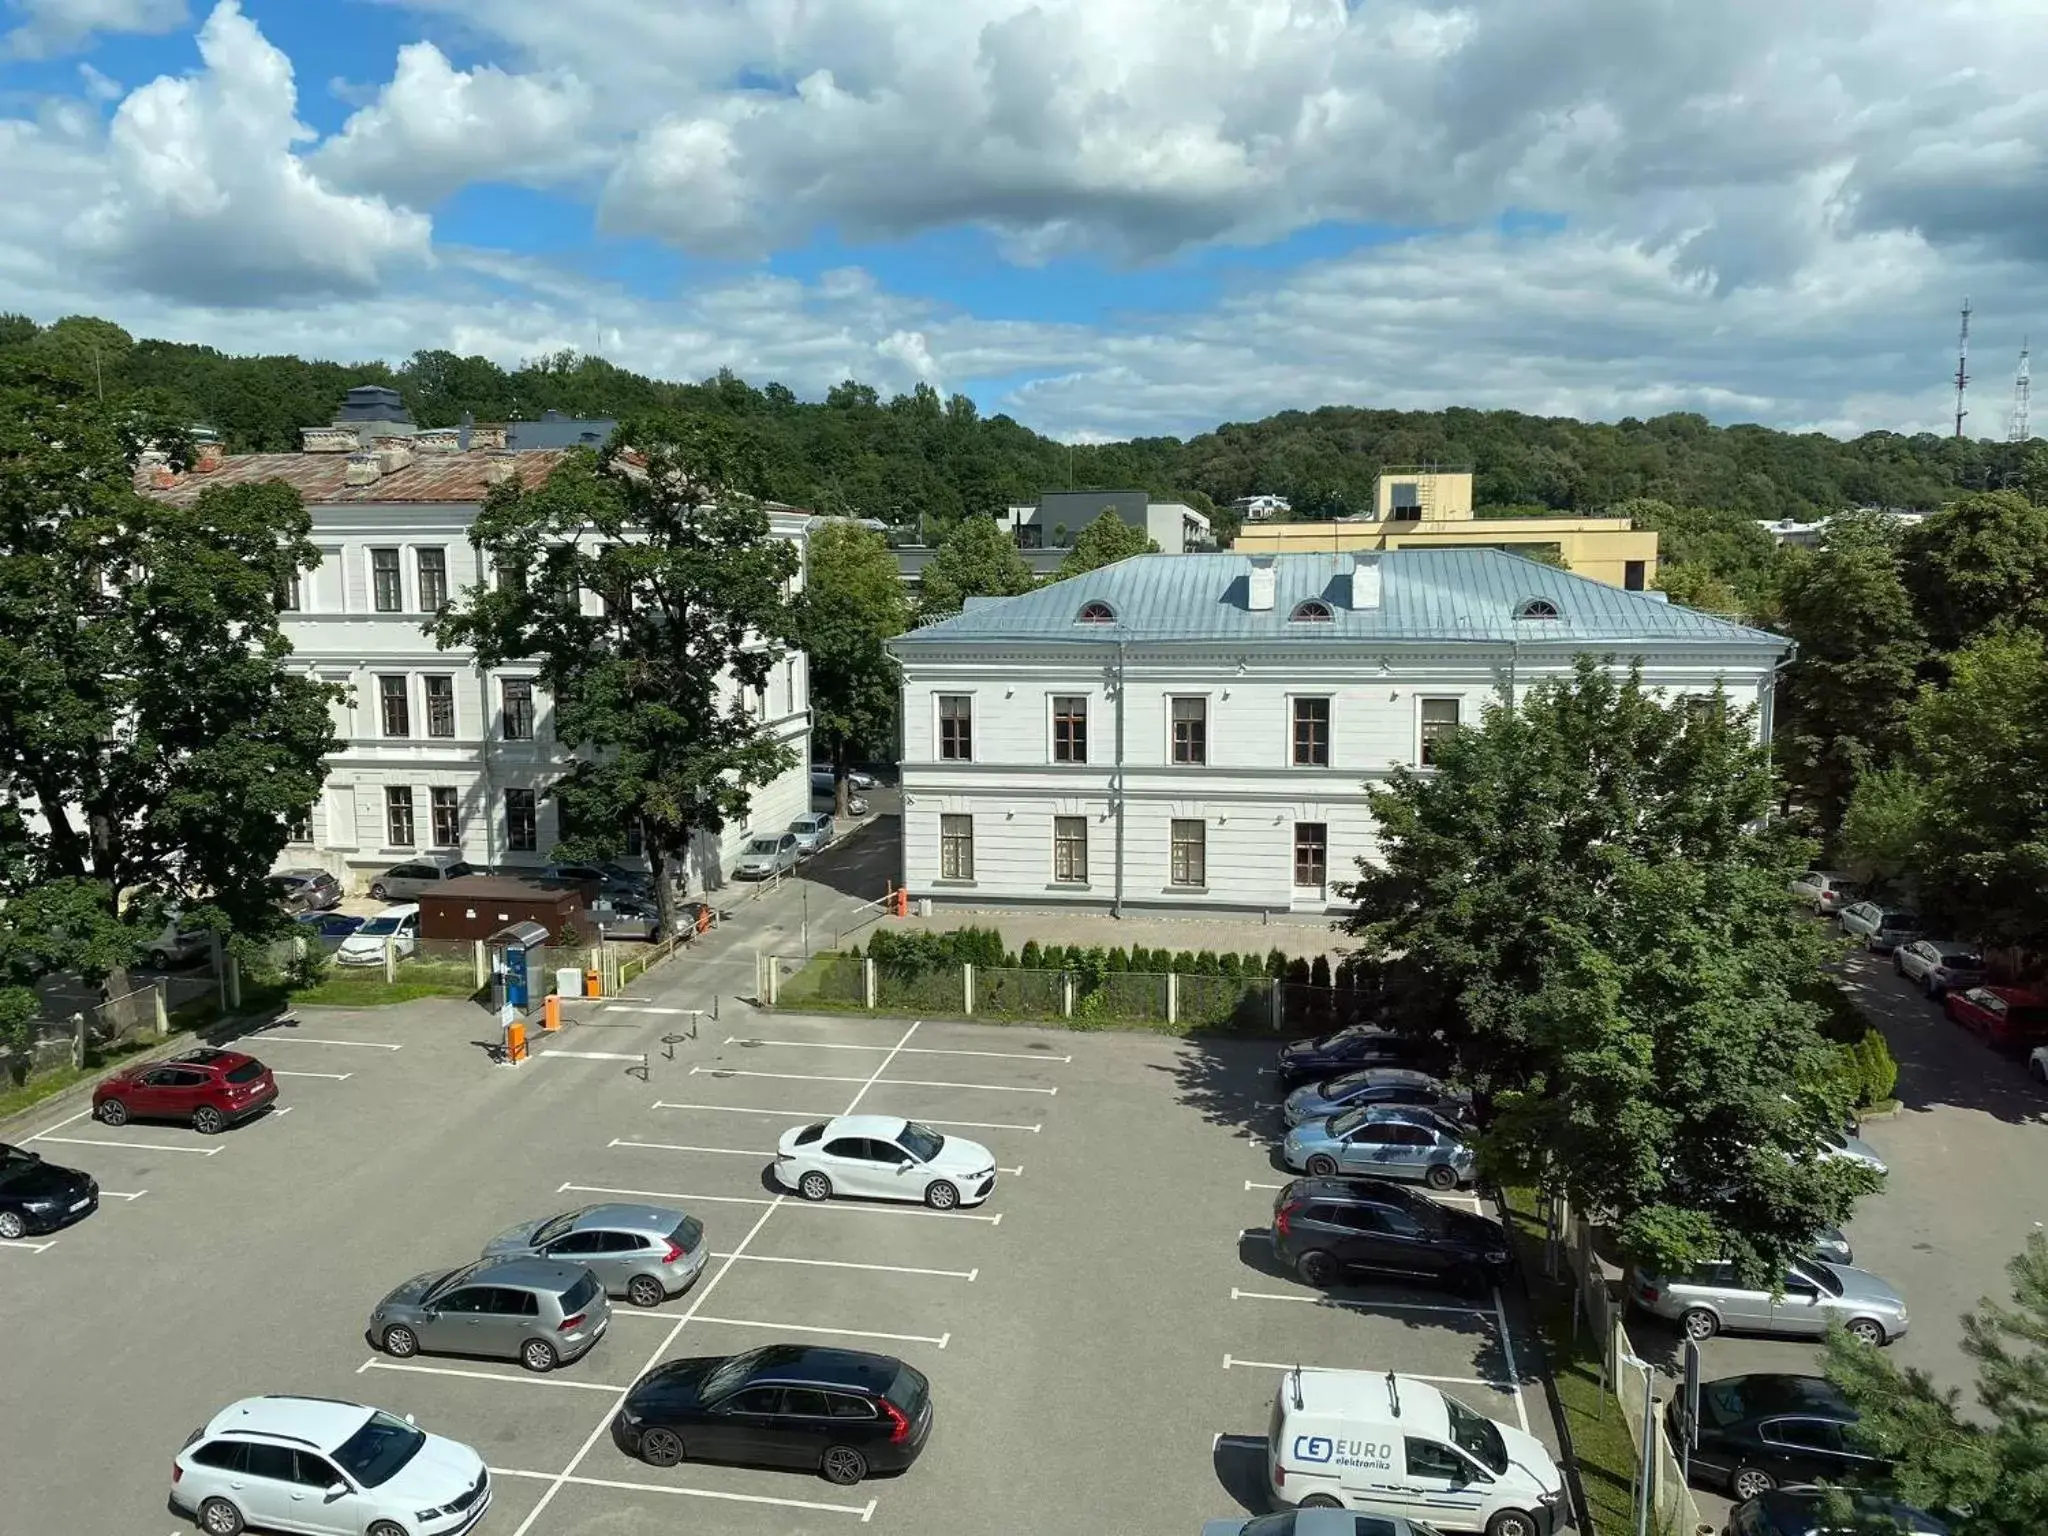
x: 593, y: 983
x: 903, y: 901
x: 551, y: 1014
x: 515, y: 1042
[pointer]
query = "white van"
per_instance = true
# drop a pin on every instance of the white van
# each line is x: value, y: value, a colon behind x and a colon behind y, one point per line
x: 1391, y: 1445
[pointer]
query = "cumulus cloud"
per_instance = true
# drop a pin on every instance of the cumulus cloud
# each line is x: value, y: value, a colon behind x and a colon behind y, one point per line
x: 53, y: 27
x: 205, y: 198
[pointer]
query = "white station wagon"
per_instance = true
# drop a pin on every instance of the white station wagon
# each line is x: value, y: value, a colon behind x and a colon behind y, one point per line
x: 884, y: 1157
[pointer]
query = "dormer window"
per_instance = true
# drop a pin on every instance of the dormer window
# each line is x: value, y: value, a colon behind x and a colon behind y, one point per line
x: 1095, y: 613
x: 1537, y: 608
x: 1314, y: 611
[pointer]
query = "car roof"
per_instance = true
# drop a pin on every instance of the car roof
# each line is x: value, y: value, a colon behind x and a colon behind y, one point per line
x: 1369, y: 1395
x: 627, y: 1218
x: 529, y: 1274
x: 1337, y: 1187
x: 823, y: 1365
x: 887, y: 1127
x: 1768, y: 1393
x: 396, y: 909
x: 322, y: 1422
x: 214, y: 1058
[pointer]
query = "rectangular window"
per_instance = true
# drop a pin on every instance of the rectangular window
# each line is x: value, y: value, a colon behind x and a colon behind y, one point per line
x: 511, y: 577
x: 1632, y: 575
x: 447, y: 816
x: 1190, y: 854
x: 433, y: 580
x: 1191, y: 730
x: 517, y: 694
x: 1311, y: 853
x: 1311, y: 733
x: 397, y: 712
x: 522, y: 829
x: 1439, y: 719
x: 956, y: 727
x: 398, y: 815
x: 956, y: 847
x: 1070, y: 730
x: 386, y: 585
x: 440, y: 705
x: 1070, y: 849
x: 299, y: 827
x: 288, y: 594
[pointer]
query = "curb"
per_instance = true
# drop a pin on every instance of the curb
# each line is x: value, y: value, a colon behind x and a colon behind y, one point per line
x: 1891, y: 1110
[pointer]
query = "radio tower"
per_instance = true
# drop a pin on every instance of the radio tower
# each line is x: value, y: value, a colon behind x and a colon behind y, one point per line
x: 1962, y: 367
x: 2022, y: 387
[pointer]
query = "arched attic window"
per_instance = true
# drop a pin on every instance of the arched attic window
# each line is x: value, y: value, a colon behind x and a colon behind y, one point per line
x: 1314, y: 611
x: 1537, y: 608
x: 1095, y: 612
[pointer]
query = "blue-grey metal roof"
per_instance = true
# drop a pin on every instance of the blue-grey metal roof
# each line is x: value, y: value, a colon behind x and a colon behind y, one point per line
x: 1425, y: 595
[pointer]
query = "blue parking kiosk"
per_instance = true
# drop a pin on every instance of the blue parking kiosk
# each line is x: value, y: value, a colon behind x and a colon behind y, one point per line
x: 510, y: 947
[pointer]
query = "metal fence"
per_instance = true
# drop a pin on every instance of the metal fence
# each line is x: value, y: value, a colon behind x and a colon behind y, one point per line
x: 1002, y: 992
x: 941, y: 991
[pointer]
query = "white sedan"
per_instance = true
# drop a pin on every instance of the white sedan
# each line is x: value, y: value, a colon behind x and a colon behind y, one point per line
x: 884, y: 1158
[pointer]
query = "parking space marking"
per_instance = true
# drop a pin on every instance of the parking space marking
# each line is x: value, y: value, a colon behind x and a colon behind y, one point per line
x: 358, y: 1045
x: 115, y: 1194
x: 1251, y: 1184
x: 672, y: 1146
x: 938, y: 1340
x: 139, y: 1146
x: 1359, y: 1306
x: 887, y: 1082
x: 591, y: 1055
x: 826, y: 1114
x: 888, y: 1269
x: 1507, y: 1346
x: 18, y: 1246
x: 865, y: 1511
x: 915, y: 1050
x: 647, y: 1008
x: 807, y: 1205
x: 339, y: 1077
x: 1231, y: 1362
x: 67, y: 1120
x: 531, y: 1379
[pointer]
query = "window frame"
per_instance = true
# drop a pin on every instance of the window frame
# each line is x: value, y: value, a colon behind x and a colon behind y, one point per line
x: 1322, y: 861
x: 419, y: 570
x: 1295, y: 702
x: 508, y: 716
x: 298, y: 827
x: 291, y: 594
x: 379, y: 571
x: 440, y: 798
x: 1095, y: 611
x: 1069, y: 730
x: 432, y: 700
x: 956, y: 834
x: 1179, y: 875
x: 1069, y: 835
x: 513, y: 840
x: 1200, y: 732
x: 961, y: 721
x: 1424, y: 741
x: 398, y: 801
x: 394, y: 704
x: 1312, y: 610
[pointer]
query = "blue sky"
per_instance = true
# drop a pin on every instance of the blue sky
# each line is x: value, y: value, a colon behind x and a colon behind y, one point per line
x: 1105, y: 218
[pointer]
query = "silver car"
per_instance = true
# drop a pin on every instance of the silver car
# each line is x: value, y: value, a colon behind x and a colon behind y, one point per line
x: 626, y: 917
x: 1384, y: 1141
x: 536, y: 1311
x: 812, y: 832
x: 1825, y: 890
x: 1814, y: 1296
x: 1371, y: 1085
x: 645, y: 1253
x: 409, y: 882
x: 1940, y: 966
x: 1882, y: 929
x: 1848, y: 1144
x: 766, y: 856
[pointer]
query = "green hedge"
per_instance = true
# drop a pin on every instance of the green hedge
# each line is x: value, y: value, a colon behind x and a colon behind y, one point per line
x: 1866, y: 1062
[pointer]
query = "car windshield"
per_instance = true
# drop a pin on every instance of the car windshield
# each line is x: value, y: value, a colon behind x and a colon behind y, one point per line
x: 730, y: 1375
x: 763, y: 845
x: 1966, y: 958
x: 1347, y: 1122
x: 374, y: 1454
x: 553, y: 1227
x: 1823, y: 1277
x: 1721, y: 1402
x: 920, y: 1141
x: 377, y: 925
x: 15, y: 1163
x: 447, y: 1282
x: 1350, y: 1082
x: 1476, y: 1437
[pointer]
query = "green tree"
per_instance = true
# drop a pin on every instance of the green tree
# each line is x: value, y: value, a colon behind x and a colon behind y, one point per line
x: 154, y: 740
x: 1708, y: 551
x: 977, y: 559
x: 1884, y: 826
x: 1983, y: 1470
x: 1695, y: 585
x: 1860, y: 651
x: 652, y: 682
x: 1980, y: 745
x: 852, y: 602
x: 1584, y: 903
x: 1979, y: 563
x: 1104, y: 542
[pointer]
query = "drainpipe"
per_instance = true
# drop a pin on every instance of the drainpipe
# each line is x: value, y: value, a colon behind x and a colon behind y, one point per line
x: 1116, y: 906
x: 1768, y: 714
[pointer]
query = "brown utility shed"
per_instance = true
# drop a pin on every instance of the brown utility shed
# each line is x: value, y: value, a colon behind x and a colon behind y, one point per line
x: 477, y: 906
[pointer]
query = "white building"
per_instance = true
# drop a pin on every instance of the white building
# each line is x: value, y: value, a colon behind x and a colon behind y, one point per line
x: 1259, y: 509
x: 438, y: 755
x: 1199, y: 731
x: 1058, y: 518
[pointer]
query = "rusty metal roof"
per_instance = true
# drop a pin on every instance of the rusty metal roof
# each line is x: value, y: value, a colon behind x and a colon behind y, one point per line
x: 322, y: 477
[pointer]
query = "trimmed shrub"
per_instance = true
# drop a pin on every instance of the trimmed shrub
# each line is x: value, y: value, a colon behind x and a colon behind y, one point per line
x: 1230, y: 964
x: 1183, y: 963
x: 1031, y: 958
x: 1295, y: 972
x: 1319, y: 972
x: 1276, y: 964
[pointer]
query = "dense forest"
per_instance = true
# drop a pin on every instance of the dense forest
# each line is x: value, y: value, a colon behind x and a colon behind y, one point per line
x: 923, y: 455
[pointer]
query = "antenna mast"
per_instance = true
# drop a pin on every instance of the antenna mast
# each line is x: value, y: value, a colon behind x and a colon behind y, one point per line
x: 2022, y: 389
x: 1962, y: 367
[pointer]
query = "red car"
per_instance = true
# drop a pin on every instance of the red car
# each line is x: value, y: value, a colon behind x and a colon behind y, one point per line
x: 2010, y: 1018
x: 211, y: 1089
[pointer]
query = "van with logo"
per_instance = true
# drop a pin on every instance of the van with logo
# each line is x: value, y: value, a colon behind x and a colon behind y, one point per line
x: 1383, y: 1444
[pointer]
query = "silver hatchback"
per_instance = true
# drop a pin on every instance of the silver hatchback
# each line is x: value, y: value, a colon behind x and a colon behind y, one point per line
x: 645, y: 1253
x: 1814, y: 1295
x: 538, y: 1312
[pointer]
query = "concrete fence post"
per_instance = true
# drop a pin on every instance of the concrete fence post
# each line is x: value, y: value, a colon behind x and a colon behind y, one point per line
x: 967, y: 986
x: 390, y: 961
x: 867, y: 983
x: 162, y: 1009
x: 1273, y: 993
x: 79, y: 1040
x: 479, y: 964
x: 231, y: 983
x: 1066, y: 994
x: 1173, y: 997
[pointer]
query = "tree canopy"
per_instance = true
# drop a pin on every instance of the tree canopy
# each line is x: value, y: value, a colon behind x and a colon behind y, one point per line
x: 1104, y: 542
x: 852, y: 603
x: 977, y: 559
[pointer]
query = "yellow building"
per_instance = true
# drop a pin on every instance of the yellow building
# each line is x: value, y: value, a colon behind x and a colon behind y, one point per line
x: 1432, y: 509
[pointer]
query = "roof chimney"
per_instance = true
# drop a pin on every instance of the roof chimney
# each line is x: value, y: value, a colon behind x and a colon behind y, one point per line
x: 462, y: 433
x: 1258, y: 585
x: 363, y: 469
x: 1365, y: 583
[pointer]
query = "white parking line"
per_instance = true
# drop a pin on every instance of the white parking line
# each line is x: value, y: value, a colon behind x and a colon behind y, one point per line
x: 67, y: 1120
x: 915, y: 1050
x: 358, y: 1045
x: 1359, y: 1306
x: 21, y: 1246
x: 338, y: 1077
x: 1252, y: 1184
x: 139, y: 1146
x: 865, y: 1511
x: 939, y: 1340
x: 531, y: 1379
x: 591, y: 1055
x: 671, y: 1146
x: 826, y: 1114
x: 1231, y: 1363
x: 888, y: 1269
x: 889, y: 1082
x: 647, y: 1008
x: 115, y: 1194
x: 807, y: 1205
x: 1507, y: 1345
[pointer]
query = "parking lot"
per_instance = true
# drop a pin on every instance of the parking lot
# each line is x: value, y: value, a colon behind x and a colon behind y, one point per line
x: 1104, y: 1336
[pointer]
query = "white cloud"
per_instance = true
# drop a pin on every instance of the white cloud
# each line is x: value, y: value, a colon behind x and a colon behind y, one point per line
x: 435, y: 129
x: 53, y: 27
x: 204, y: 198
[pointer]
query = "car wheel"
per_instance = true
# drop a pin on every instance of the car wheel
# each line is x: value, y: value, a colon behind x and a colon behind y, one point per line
x: 400, y: 1342
x: 1751, y: 1483
x: 1441, y: 1177
x: 843, y: 1465
x: 814, y: 1186
x: 380, y: 892
x: 661, y: 1447
x: 1699, y: 1324
x: 12, y: 1226
x: 112, y: 1112
x: 217, y: 1517
x: 1322, y: 1167
x: 646, y: 1291
x: 160, y: 959
x: 539, y: 1355
x: 940, y: 1195
x: 1867, y: 1330
x: 1511, y: 1522
x: 207, y: 1120
x: 386, y: 1528
x: 1316, y: 1268
x: 1319, y: 1501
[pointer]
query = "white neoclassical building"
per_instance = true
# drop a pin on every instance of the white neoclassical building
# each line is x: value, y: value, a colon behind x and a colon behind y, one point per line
x: 1198, y: 731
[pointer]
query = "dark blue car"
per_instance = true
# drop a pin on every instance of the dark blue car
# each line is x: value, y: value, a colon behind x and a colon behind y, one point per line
x: 1360, y: 1045
x: 330, y: 928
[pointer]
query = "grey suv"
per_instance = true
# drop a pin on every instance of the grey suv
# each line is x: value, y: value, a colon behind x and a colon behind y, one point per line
x: 645, y: 1253
x: 1813, y: 1295
x: 409, y: 882
x: 535, y: 1311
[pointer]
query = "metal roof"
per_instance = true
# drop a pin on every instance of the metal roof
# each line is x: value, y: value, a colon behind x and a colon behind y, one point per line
x: 1425, y: 595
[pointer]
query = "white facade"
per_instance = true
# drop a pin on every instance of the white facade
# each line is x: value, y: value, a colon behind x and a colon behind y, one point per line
x: 439, y: 755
